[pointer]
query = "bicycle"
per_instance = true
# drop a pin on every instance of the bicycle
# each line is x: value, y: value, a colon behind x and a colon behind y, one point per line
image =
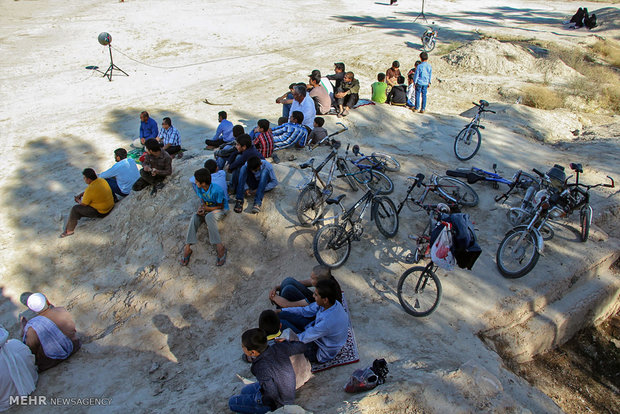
x: 467, y: 142
x: 332, y: 243
x: 376, y: 163
x: 429, y: 38
x: 520, y: 180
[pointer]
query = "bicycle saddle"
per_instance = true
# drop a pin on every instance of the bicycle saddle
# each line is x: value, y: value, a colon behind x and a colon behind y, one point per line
x: 576, y: 167
x: 335, y: 200
x: 356, y: 149
x: 307, y: 164
x: 336, y: 144
x: 484, y: 103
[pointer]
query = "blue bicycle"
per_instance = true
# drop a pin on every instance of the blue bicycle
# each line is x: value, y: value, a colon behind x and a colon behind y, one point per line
x: 378, y: 162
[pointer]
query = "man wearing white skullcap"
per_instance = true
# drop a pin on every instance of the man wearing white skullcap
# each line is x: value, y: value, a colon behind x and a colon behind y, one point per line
x: 18, y: 373
x: 51, y: 335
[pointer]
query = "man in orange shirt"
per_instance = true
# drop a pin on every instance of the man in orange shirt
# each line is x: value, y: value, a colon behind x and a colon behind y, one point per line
x: 96, y: 201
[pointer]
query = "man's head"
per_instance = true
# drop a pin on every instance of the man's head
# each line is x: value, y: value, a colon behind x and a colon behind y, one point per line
x: 291, y: 86
x: 120, y: 154
x: 144, y: 116
x: 243, y: 142
x: 319, y: 121
x: 211, y: 165
x: 254, y: 164
x: 37, y: 302
x: 297, y: 117
x: 395, y: 64
x: 238, y: 131
x: 166, y: 123
x: 282, y: 120
x: 423, y: 56
x: 315, y: 80
x: 326, y: 292
x: 349, y: 76
x: 320, y: 272
x: 269, y: 322
x: 221, y: 116
x: 338, y: 67
x: 203, y: 178
x: 315, y: 73
x: 417, y: 62
x: 263, y: 125
x: 89, y: 175
x: 152, y: 146
x: 401, y: 79
x: 254, y: 342
x: 381, y: 77
x: 299, y: 93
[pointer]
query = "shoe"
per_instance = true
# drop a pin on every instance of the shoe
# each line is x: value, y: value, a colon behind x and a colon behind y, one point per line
x: 154, y: 190
x: 345, y: 112
x: 210, y: 147
x: 275, y: 158
x: 238, y: 206
x: 221, y: 261
x: 421, y: 111
x: 339, y: 115
x: 256, y: 209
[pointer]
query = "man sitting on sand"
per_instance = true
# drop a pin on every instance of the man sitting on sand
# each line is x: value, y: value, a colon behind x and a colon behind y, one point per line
x: 51, y: 335
x: 156, y: 167
x: 122, y: 175
x: 392, y: 74
x: 246, y: 150
x: 347, y: 94
x: 304, y: 104
x: 96, y: 201
x: 18, y: 372
x: 295, y: 293
x: 327, y: 334
x: 398, y: 93
x: 169, y: 138
x: 262, y: 138
x: 319, y: 94
x: 213, y: 208
x: 290, y: 133
x: 217, y: 176
x: 259, y: 177
x: 148, y: 130
x: 223, y: 133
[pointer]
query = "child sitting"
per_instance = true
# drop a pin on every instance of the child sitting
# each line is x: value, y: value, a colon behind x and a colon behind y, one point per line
x: 259, y: 176
x: 263, y: 138
x: 379, y: 89
x: 290, y: 133
x: 398, y: 94
x: 272, y: 368
x: 318, y: 133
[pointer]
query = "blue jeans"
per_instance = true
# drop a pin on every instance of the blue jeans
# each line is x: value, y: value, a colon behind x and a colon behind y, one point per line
x: 254, y: 184
x: 292, y: 290
x: 420, y: 89
x: 250, y: 401
x: 296, y: 323
x: 286, y: 108
x: 115, y: 188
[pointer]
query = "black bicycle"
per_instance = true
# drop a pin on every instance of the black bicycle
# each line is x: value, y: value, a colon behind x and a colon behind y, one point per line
x: 467, y: 142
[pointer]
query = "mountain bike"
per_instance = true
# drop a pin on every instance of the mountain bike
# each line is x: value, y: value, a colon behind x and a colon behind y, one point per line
x: 332, y: 243
x: 520, y: 180
x: 467, y: 142
x: 376, y: 163
x: 429, y: 38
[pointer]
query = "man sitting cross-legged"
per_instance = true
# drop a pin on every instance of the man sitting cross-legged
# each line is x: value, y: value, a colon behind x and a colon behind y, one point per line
x: 259, y: 176
x: 223, y: 133
x: 290, y: 133
x: 122, y: 175
x: 156, y: 167
x: 96, y: 201
x: 327, y: 334
x: 213, y: 207
x: 169, y: 138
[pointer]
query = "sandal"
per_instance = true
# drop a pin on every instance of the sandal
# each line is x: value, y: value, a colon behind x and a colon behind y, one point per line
x: 238, y: 206
x: 65, y: 234
x: 221, y: 261
x: 185, y: 259
x: 256, y: 209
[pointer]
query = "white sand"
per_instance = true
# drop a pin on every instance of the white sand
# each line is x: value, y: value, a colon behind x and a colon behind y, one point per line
x: 161, y: 338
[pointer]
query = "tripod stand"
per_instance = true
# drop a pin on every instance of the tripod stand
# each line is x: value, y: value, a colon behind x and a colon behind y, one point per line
x: 112, y: 66
x: 421, y: 14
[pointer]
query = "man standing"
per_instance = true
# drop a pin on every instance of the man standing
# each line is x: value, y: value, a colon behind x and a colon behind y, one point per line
x: 223, y: 133
x: 122, y: 175
x: 18, y: 372
x: 51, y: 335
x: 169, y: 137
x: 96, y: 201
x: 347, y: 95
x: 304, y: 104
x: 156, y: 167
x: 422, y: 80
x: 148, y: 130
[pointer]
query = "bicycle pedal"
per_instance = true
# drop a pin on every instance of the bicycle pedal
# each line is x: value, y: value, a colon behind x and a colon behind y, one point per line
x: 410, y: 258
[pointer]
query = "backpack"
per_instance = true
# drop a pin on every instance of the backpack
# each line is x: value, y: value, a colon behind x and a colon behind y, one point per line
x: 368, y: 378
x: 465, y: 246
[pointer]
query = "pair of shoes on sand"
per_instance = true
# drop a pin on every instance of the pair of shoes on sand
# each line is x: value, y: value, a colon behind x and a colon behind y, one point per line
x: 239, y: 207
x: 344, y: 113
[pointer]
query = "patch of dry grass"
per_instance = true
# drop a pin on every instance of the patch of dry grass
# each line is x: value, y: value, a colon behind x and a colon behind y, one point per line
x: 609, y: 50
x: 444, y: 49
x: 542, y: 97
x: 506, y: 38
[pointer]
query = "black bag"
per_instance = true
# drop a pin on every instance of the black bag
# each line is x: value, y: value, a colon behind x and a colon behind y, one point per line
x: 465, y: 246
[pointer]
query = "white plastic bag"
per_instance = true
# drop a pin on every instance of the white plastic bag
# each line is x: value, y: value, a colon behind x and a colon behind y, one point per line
x: 441, y: 254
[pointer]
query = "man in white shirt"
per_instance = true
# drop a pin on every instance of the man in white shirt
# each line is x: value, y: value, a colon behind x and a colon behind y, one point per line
x: 303, y: 103
x: 18, y: 372
x: 122, y: 175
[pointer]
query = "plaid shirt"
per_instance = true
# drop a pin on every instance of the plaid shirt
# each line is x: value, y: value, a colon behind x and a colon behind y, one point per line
x: 170, y: 136
x: 264, y: 143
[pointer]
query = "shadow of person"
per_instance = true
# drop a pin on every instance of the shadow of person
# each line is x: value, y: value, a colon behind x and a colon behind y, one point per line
x: 184, y: 343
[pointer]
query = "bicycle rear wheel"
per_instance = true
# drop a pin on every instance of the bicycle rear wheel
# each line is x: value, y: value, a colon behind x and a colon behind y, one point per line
x: 387, y: 161
x: 585, y: 219
x: 309, y: 205
x: 385, y: 216
x: 379, y: 182
x: 331, y: 245
x: 419, y: 291
x: 344, y: 169
x: 526, y: 181
x: 457, y: 191
x: 467, y: 143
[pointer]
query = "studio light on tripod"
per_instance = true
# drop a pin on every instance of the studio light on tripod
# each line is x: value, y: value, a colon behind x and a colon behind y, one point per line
x: 105, y: 39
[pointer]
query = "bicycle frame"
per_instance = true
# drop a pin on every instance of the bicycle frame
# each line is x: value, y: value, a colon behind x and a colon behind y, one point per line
x: 419, y: 182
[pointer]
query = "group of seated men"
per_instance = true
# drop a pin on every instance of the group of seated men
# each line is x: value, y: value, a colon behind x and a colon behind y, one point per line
x: 48, y: 337
x: 317, y: 330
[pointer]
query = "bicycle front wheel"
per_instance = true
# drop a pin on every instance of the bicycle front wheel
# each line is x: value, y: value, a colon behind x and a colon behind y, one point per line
x: 585, y: 219
x: 331, y: 245
x: 385, y: 217
x: 309, y: 205
x: 467, y: 143
x: 419, y: 291
x: 517, y: 254
x: 457, y: 191
x: 387, y: 161
x: 379, y: 183
x: 344, y: 169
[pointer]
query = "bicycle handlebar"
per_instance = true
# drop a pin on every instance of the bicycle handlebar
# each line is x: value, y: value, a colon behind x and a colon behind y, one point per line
x: 538, y: 172
x: 612, y: 185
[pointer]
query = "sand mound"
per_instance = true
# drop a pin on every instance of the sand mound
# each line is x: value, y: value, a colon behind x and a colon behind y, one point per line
x: 492, y: 57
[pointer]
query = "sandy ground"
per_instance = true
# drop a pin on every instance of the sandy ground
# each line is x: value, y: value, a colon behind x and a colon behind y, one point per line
x: 159, y: 337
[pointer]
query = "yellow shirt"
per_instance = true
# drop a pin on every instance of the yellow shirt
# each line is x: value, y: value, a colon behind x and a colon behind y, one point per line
x: 99, y: 196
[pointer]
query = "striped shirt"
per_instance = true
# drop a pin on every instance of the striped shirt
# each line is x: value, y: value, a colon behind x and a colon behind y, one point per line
x: 289, y: 134
x: 170, y: 136
x: 264, y: 143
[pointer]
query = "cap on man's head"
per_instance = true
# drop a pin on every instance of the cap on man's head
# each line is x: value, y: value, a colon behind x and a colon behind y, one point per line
x: 339, y: 65
x: 36, y: 302
x: 314, y: 73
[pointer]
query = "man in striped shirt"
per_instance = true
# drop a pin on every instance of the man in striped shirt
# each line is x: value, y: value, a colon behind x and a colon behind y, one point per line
x: 291, y: 133
x: 169, y: 137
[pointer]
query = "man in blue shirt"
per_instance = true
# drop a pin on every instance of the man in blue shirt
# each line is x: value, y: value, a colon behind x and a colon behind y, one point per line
x: 213, y: 207
x: 259, y: 176
x: 148, y: 129
x: 422, y: 80
x: 223, y: 133
x: 169, y: 137
x: 122, y: 175
x: 291, y: 133
x: 327, y: 334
